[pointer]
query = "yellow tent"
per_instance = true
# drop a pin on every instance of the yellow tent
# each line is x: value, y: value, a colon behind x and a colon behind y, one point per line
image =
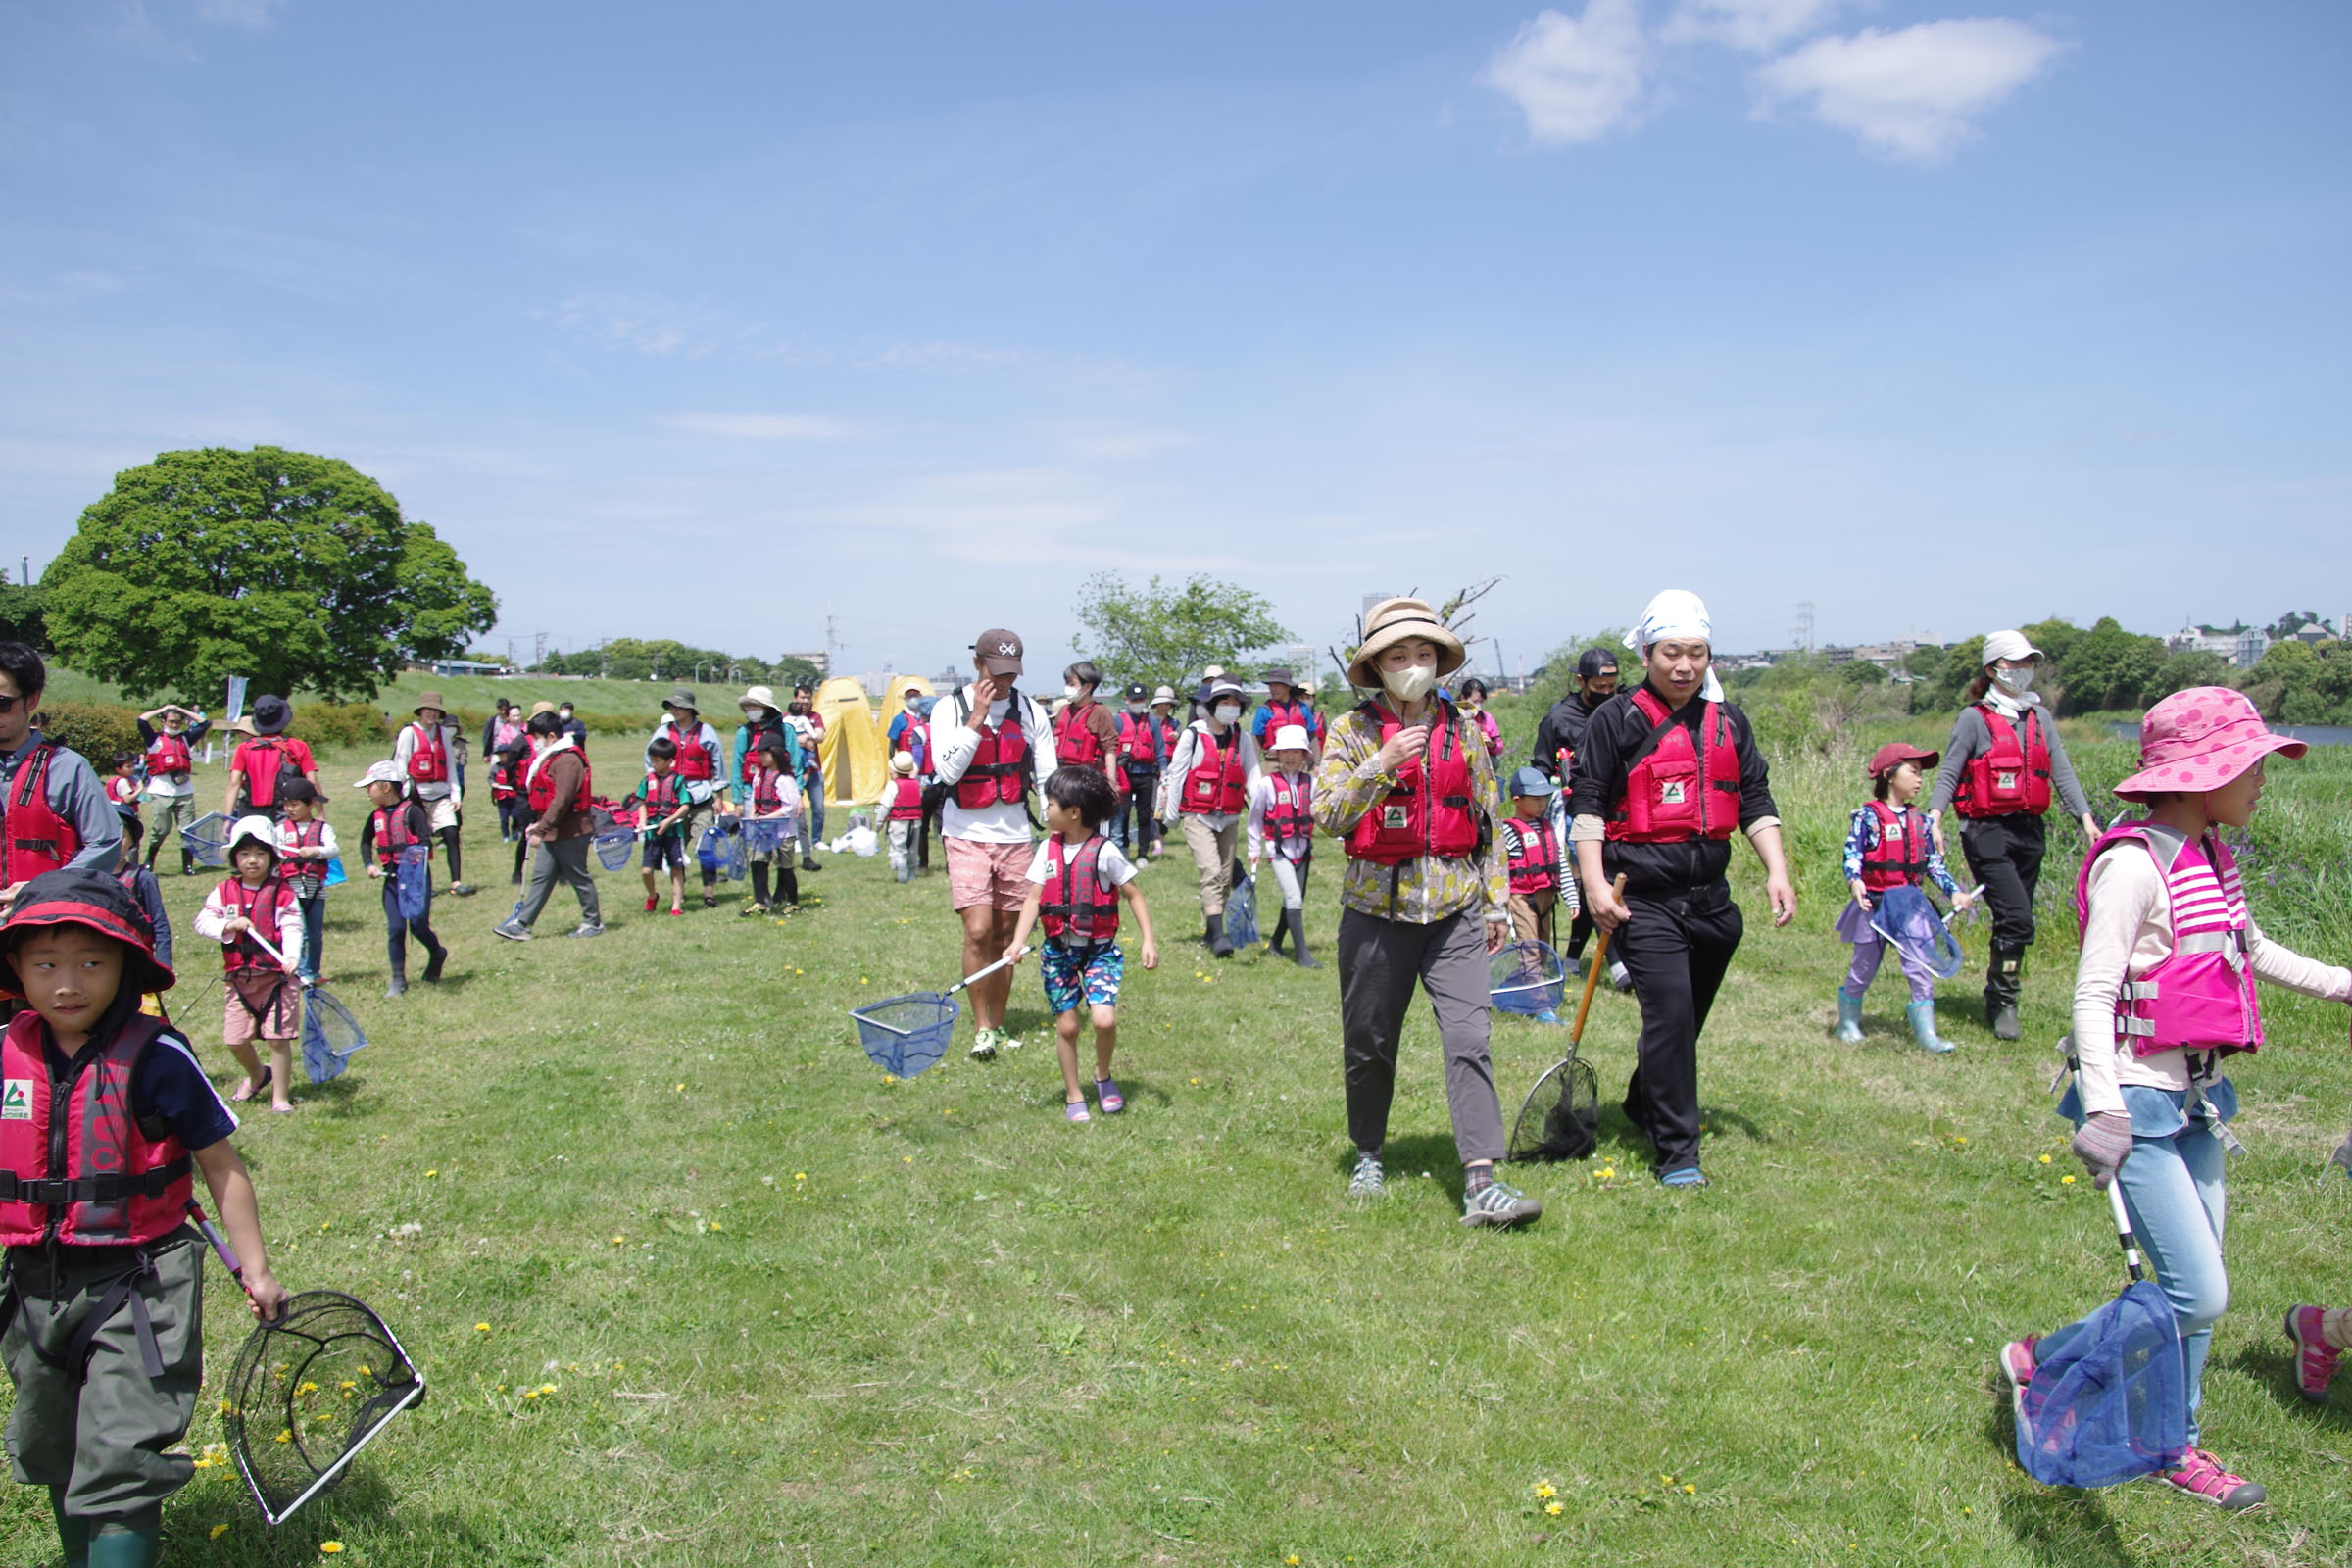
x: 894, y: 700
x: 851, y: 751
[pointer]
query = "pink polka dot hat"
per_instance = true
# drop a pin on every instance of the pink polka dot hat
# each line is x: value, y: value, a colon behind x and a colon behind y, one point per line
x: 2199, y: 740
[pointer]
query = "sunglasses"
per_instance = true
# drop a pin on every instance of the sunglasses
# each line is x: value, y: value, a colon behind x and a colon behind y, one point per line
x: 8, y: 705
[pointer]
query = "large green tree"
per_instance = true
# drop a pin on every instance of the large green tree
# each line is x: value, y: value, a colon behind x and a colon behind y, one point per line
x: 295, y: 571
x: 1162, y: 634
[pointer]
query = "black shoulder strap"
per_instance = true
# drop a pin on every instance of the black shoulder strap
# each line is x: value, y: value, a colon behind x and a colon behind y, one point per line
x: 1654, y: 739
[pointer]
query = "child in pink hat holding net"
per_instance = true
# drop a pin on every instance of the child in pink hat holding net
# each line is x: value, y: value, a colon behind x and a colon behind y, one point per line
x: 2165, y: 990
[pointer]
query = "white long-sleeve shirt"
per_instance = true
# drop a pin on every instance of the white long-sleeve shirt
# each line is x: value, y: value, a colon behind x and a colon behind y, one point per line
x: 953, y: 741
x: 1187, y: 752
x: 212, y: 923
x: 1261, y: 796
x: 2129, y: 932
x: 453, y: 741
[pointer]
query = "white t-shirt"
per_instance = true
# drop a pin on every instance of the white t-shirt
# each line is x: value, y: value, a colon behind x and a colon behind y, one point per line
x: 1113, y: 868
x: 952, y: 744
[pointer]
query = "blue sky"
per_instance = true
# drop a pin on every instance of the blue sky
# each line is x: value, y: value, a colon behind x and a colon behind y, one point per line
x: 694, y: 319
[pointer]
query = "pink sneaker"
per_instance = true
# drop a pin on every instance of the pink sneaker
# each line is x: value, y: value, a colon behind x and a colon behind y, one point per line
x: 2200, y: 1475
x: 2016, y: 1365
x: 2315, y: 1357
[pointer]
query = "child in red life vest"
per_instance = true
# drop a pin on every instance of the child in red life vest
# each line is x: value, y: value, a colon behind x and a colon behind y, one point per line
x: 264, y: 1000
x: 123, y: 784
x: 1538, y: 866
x: 661, y: 816
x: 2164, y: 993
x: 1076, y: 884
x: 1282, y: 831
x: 902, y: 804
x: 1889, y: 844
x: 400, y: 825
x: 305, y: 844
x: 772, y: 794
x: 513, y: 758
x: 112, y: 1288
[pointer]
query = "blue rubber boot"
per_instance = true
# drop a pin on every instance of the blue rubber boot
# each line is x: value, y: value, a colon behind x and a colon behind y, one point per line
x: 1849, y: 1017
x: 1922, y: 1028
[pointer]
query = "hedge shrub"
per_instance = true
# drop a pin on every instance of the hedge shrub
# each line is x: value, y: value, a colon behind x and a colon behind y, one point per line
x: 97, y: 730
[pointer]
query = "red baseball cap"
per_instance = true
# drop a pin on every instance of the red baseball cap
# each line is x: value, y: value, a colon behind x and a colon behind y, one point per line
x: 1894, y: 754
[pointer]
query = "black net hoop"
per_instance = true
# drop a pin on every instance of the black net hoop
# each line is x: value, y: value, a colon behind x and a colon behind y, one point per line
x: 1560, y: 1118
x: 308, y: 1392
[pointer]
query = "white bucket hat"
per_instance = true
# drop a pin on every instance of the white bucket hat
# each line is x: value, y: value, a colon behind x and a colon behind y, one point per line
x: 258, y: 828
x: 1291, y: 738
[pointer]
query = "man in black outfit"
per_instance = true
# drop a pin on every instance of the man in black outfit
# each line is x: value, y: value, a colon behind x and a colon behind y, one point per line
x: 1558, y: 738
x: 1676, y: 926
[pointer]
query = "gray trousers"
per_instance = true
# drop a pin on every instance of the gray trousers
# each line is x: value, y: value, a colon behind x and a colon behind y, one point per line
x: 566, y: 859
x: 1379, y: 962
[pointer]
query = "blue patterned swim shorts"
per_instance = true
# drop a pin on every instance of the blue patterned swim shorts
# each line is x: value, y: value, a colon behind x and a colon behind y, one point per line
x: 1081, y: 974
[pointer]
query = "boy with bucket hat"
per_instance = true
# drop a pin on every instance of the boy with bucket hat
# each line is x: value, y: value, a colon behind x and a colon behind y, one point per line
x: 430, y: 755
x: 104, y: 1304
x: 697, y: 762
x: 1407, y: 785
x: 2164, y: 994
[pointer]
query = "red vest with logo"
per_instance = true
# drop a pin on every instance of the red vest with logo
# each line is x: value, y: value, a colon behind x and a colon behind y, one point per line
x: 539, y: 787
x: 905, y: 801
x: 428, y: 754
x: 1075, y: 742
x: 1000, y: 766
x: 168, y: 754
x: 1679, y: 790
x: 75, y: 1164
x: 1141, y: 741
x: 697, y: 759
x: 311, y: 876
x: 662, y: 795
x: 2200, y: 995
x: 393, y: 833
x: 1535, y: 856
x: 2012, y: 776
x: 33, y: 839
x: 1213, y: 786
x: 1286, y: 815
x: 263, y: 908
x: 915, y: 739
x: 1901, y: 857
x: 1428, y: 810
x: 1077, y: 905
x: 766, y: 798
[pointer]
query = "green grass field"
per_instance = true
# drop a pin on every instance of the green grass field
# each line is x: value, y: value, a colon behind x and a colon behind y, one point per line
x: 694, y: 1284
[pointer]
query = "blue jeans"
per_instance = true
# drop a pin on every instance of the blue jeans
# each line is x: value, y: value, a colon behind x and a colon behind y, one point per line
x: 2173, y: 1191
x: 313, y: 934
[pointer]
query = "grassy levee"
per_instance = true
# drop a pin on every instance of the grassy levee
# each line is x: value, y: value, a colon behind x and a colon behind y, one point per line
x: 794, y: 1314
x: 470, y: 694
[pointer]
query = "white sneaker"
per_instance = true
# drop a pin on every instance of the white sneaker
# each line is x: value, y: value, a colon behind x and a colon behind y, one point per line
x: 984, y: 1044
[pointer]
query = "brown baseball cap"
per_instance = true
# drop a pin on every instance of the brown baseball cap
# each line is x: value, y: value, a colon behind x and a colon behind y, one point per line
x: 999, y: 652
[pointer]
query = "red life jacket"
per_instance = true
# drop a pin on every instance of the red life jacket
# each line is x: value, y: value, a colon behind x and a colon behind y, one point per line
x: 1077, y: 906
x: 263, y: 780
x: 2200, y: 995
x: 312, y: 876
x: 33, y: 839
x: 1141, y: 743
x: 1000, y: 767
x: 168, y: 754
x: 914, y: 738
x: 1075, y: 742
x: 501, y: 780
x: 122, y: 791
x: 393, y: 833
x: 697, y: 760
x: 539, y: 783
x: 1678, y: 791
x: 663, y: 793
x: 2012, y: 776
x: 1428, y: 812
x: 1287, y: 817
x: 428, y: 754
x: 1535, y: 856
x: 1903, y: 852
x: 1213, y: 786
x: 766, y: 799
x: 75, y: 1164
x: 263, y: 908
x: 905, y: 801
x: 1290, y: 712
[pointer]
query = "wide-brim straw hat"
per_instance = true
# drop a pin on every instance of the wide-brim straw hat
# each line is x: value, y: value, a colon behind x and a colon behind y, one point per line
x: 1391, y: 622
x: 431, y: 700
x: 757, y: 696
x: 2199, y: 740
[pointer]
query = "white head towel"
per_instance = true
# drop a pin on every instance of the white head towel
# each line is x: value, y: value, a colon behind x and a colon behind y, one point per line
x: 1677, y: 614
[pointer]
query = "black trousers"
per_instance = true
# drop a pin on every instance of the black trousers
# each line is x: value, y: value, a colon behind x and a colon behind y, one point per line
x: 1142, y: 786
x: 2004, y: 852
x: 1580, y: 931
x: 1677, y: 950
x: 398, y: 930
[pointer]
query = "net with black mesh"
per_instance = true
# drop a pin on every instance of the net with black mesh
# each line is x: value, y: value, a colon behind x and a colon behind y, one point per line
x: 309, y: 1391
x: 1560, y: 1118
x: 330, y: 1035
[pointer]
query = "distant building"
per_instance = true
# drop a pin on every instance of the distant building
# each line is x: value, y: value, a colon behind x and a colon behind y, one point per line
x: 2252, y: 643
x: 2222, y: 642
x: 822, y: 660
x: 1887, y: 655
x: 464, y: 666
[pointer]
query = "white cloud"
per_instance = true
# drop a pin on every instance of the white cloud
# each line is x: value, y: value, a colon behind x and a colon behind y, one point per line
x: 766, y: 426
x: 652, y: 327
x: 1912, y: 94
x: 1112, y: 441
x: 253, y: 15
x: 1576, y: 78
x: 1756, y: 26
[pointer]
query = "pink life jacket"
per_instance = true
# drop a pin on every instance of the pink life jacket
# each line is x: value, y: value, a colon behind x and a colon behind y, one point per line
x: 2200, y: 995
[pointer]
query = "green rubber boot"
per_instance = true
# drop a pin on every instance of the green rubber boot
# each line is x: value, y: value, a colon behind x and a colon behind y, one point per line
x: 122, y: 1547
x: 71, y: 1534
x: 1922, y: 1028
x: 1849, y: 1017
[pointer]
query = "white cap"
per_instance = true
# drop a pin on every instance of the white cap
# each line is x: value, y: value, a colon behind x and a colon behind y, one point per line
x: 255, y: 827
x: 378, y: 774
x: 2011, y: 645
x: 1291, y: 738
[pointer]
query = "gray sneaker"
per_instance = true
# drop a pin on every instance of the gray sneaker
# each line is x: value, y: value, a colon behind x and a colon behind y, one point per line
x: 512, y: 930
x: 586, y: 929
x: 1369, y: 1180
x: 1498, y: 1205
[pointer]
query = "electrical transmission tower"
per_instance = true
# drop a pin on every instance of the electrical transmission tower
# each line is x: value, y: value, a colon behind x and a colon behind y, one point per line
x: 1804, y: 624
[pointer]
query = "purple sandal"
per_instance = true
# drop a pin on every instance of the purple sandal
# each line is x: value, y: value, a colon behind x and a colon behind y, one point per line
x: 1109, y: 1094
x: 1075, y: 1111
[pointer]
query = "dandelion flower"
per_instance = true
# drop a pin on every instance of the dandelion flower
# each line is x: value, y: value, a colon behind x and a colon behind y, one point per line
x: 218, y: 1531
x: 1554, y: 1508
x: 800, y: 1175
x: 1292, y: 1561
x: 330, y: 1547
x: 2046, y: 1160
x: 617, y: 1240
x: 1688, y: 1490
x: 430, y: 1174
x: 1544, y: 1489
x: 547, y: 1387
x: 2066, y: 1181
x: 478, y: 1328
x: 286, y: 1436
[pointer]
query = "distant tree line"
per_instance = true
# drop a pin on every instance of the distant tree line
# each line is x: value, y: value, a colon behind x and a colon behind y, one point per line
x: 666, y: 659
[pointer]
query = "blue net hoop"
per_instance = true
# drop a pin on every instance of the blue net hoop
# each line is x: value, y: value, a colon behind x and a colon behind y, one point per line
x: 207, y: 839
x: 1241, y: 914
x: 330, y: 1035
x: 903, y: 1034
x: 1906, y: 919
x: 1526, y: 978
x: 413, y: 881
x: 2113, y: 1402
x: 612, y: 848
x: 766, y: 835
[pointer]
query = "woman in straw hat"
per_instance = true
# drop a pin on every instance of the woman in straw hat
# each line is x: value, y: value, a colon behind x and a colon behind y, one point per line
x: 2002, y: 766
x: 2164, y: 991
x: 1407, y: 785
x: 1667, y: 774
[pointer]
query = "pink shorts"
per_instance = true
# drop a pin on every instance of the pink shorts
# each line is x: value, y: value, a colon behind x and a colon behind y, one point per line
x: 991, y: 874
x: 280, y: 1019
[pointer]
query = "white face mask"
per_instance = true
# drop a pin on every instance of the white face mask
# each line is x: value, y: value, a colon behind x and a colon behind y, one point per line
x: 2016, y: 682
x: 1137, y: 708
x: 1227, y: 713
x: 1410, y: 684
x: 1069, y: 693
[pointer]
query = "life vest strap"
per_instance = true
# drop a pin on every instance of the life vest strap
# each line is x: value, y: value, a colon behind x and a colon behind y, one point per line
x: 107, y: 1186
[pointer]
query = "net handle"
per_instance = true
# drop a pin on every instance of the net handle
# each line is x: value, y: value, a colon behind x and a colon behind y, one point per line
x: 229, y: 1259
x: 2123, y: 1229
x: 981, y: 974
x: 253, y: 933
x: 1600, y: 961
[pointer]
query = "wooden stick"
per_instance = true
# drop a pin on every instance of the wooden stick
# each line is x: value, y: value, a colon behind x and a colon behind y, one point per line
x: 1601, y: 960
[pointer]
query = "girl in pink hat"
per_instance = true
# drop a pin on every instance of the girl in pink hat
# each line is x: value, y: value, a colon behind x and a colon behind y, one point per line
x: 2165, y: 990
